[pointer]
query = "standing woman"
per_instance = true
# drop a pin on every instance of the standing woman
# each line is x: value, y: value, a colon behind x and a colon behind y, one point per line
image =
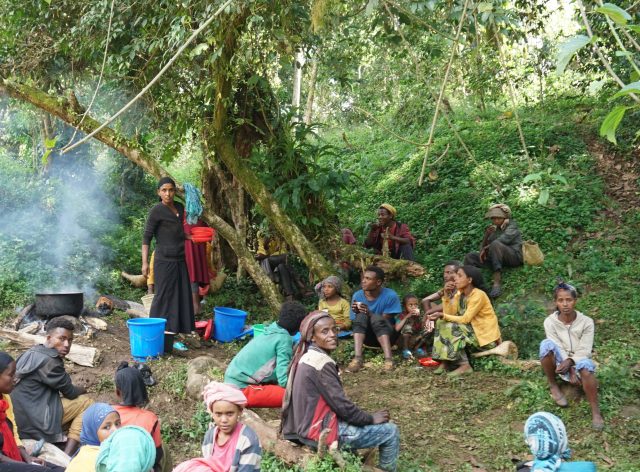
x: 172, y: 298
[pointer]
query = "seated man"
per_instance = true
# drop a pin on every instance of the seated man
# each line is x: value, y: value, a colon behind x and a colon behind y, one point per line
x: 373, y: 311
x: 273, y: 256
x: 501, y: 246
x: 261, y: 368
x: 316, y: 401
x: 41, y: 379
x: 390, y: 237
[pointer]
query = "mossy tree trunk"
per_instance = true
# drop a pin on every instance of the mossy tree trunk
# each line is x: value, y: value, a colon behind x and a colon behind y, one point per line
x: 68, y: 111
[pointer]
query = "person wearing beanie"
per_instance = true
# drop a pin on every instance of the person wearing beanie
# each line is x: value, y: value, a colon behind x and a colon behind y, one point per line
x: 389, y: 237
x: 501, y: 246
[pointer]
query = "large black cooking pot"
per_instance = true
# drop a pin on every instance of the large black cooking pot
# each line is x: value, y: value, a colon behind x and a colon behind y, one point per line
x: 49, y: 305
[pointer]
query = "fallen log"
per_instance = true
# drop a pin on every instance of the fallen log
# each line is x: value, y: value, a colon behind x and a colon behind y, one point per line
x: 79, y: 354
x: 24, y: 312
x: 95, y: 323
x: 393, y: 268
x: 138, y: 281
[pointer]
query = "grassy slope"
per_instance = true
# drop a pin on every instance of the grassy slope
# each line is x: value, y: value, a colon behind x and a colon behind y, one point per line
x: 581, y: 243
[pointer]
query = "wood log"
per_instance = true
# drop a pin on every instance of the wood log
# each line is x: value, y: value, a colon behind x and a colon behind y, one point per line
x: 138, y: 281
x: 79, y: 354
x: 95, y: 323
x: 31, y: 328
x: 24, y: 312
x: 136, y: 313
x: 393, y: 268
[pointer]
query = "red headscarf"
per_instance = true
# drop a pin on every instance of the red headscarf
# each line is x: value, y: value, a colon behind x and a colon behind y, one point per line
x: 9, y: 446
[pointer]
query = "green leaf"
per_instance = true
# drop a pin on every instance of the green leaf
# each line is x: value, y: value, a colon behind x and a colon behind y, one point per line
x: 567, y: 49
x: 532, y: 177
x: 634, y: 28
x: 371, y: 6
x: 559, y: 178
x: 623, y: 54
x: 617, y: 14
x: 544, y: 196
x: 199, y: 49
x: 484, y: 7
x: 611, y: 122
x: 633, y: 87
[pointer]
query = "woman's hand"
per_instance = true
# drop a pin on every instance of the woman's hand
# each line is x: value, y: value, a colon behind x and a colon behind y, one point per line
x: 145, y: 269
x: 381, y: 416
x: 28, y: 458
x: 435, y: 316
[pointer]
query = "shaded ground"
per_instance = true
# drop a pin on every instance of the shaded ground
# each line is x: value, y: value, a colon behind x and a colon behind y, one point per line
x: 473, y: 423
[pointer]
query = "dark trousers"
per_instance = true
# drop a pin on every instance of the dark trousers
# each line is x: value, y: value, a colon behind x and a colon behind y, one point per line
x: 405, y: 251
x: 284, y: 273
x: 22, y: 467
x: 499, y: 255
x: 373, y: 326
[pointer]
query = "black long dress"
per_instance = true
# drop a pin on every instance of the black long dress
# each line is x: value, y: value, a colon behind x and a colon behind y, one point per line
x: 172, y: 299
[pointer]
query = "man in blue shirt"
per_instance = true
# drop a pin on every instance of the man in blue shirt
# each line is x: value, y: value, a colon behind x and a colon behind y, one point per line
x: 373, y: 312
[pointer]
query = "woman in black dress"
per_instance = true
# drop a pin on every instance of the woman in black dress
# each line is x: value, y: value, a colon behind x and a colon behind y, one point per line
x: 172, y: 298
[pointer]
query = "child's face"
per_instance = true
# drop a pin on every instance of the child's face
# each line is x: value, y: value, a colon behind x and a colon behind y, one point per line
x: 565, y: 302
x: 108, y: 426
x: 411, y: 305
x: 7, y: 379
x: 328, y: 290
x: 225, y: 415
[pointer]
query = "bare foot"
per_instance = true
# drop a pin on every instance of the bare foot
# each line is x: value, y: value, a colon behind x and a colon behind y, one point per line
x: 558, y: 396
x: 463, y: 369
x: 597, y: 422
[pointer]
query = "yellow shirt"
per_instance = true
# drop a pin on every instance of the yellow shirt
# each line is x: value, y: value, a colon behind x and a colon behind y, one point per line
x: 479, y: 313
x: 275, y: 246
x: 11, y: 417
x: 85, y: 460
x: 339, y: 312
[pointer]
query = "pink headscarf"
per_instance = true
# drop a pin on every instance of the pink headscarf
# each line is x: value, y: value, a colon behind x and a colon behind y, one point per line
x: 200, y: 465
x: 215, y: 391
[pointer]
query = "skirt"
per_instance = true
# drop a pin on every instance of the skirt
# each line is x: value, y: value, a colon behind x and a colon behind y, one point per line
x: 173, y: 300
x: 451, y: 340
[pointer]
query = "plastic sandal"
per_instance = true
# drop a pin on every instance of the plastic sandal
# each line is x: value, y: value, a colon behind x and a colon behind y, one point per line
x: 420, y: 352
x: 178, y: 346
x: 406, y: 354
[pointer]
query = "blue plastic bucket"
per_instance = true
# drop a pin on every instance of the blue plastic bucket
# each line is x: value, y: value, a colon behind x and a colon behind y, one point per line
x: 146, y: 336
x: 229, y: 323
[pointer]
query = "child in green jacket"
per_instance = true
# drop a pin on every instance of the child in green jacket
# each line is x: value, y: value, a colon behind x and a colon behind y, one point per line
x: 261, y: 368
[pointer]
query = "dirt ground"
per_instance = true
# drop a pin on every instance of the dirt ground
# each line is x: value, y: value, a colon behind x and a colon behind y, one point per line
x: 469, y: 424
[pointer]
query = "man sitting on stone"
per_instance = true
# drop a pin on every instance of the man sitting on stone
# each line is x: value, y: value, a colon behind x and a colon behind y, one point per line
x: 373, y: 312
x: 390, y: 237
x: 501, y: 246
x: 45, y: 400
x: 273, y: 255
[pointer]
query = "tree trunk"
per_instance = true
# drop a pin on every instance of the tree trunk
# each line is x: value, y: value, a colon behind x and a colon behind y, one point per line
x: 226, y: 151
x: 298, y: 62
x: 308, y: 113
x: 61, y: 108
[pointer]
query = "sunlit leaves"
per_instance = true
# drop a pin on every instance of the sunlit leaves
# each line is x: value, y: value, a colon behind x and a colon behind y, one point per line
x: 633, y: 87
x: 615, y: 13
x: 567, y: 49
x: 611, y: 122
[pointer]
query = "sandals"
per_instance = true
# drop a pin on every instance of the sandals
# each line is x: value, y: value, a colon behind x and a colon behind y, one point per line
x: 597, y: 425
x: 388, y: 365
x: 406, y: 354
x: 496, y: 291
x: 355, y: 365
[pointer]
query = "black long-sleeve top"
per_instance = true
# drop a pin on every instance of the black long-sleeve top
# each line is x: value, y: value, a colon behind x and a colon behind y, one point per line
x: 168, y: 230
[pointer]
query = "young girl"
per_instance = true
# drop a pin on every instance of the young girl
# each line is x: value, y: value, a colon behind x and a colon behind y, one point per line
x: 13, y: 456
x: 412, y: 326
x: 129, y: 449
x: 229, y: 446
x: 132, y: 398
x: 98, y: 422
x: 567, y: 351
x: 332, y: 302
x: 469, y: 321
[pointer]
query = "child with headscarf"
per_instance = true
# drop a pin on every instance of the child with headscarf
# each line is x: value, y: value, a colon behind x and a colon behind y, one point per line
x: 316, y: 400
x: 546, y: 437
x: 98, y: 422
x: 260, y: 368
x: 229, y: 445
x: 129, y: 449
x: 331, y: 301
x: 132, y: 398
x: 13, y: 455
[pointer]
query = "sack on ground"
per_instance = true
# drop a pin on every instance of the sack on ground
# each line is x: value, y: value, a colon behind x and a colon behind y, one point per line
x: 532, y: 253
